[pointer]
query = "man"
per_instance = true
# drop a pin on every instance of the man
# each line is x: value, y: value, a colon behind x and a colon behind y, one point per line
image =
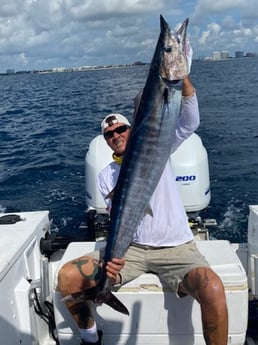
x: 165, y: 235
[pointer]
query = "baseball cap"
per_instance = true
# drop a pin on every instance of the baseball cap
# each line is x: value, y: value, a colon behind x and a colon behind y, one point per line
x: 112, y: 119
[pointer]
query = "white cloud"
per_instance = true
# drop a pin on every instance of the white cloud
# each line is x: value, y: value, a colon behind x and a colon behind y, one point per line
x: 210, y: 34
x: 23, y: 58
x: 67, y: 32
x: 10, y: 8
x: 110, y: 8
x: 219, y: 6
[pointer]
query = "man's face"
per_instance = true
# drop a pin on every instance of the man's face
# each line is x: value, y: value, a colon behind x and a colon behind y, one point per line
x: 117, y: 140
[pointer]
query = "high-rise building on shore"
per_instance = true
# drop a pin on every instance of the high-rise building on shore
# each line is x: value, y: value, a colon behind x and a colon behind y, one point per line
x: 224, y: 54
x: 216, y: 56
x: 239, y: 54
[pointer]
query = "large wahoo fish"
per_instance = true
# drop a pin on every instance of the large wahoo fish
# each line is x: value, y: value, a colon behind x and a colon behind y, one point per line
x: 147, y: 153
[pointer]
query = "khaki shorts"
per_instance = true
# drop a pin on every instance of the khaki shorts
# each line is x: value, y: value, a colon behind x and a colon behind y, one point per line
x: 171, y: 264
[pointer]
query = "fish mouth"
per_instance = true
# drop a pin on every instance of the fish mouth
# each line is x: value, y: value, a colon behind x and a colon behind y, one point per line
x: 177, y: 83
x: 173, y: 82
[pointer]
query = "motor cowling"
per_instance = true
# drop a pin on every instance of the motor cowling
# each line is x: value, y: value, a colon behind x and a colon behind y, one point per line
x: 191, y: 168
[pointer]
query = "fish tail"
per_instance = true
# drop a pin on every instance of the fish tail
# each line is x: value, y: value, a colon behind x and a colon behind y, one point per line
x: 98, y: 296
x: 107, y: 297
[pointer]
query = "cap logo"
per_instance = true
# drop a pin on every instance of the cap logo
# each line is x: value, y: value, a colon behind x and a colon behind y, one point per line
x: 111, y: 120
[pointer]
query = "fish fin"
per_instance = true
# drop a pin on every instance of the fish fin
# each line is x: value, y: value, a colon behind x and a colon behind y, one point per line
x: 110, y: 195
x: 107, y: 297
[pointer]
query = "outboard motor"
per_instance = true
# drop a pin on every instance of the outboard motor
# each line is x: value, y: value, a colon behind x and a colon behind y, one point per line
x: 97, y: 157
x: 191, y: 168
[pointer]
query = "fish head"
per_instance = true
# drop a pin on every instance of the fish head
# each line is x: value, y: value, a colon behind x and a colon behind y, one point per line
x: 174, y: 64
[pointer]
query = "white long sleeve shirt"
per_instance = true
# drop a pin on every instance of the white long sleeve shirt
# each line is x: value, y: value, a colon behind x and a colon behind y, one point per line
x: 168, y: 225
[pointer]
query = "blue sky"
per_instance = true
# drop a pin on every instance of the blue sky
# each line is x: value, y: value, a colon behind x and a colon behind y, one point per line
x: 41, y: 34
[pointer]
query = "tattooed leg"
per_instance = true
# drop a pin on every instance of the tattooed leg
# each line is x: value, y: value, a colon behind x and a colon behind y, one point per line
x: 195, y: 281
x: 74, y: 276
x: 206, y: 287
x: 79, y: 274
x: 82, y: 314
x: 94, y: 266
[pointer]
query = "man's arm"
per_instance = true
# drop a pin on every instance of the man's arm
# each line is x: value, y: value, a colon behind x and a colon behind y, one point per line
x: 189, y: 117
x: 187, y: 90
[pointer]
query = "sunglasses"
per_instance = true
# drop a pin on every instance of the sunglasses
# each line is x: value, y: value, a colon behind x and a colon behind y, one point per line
x: 118, y: 130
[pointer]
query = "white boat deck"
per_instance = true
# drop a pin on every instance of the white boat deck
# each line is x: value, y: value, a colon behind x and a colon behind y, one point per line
x: 15, y: 237
x: 20, y: 264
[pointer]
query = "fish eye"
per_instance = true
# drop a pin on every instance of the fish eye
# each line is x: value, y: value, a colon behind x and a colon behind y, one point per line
x: 167, y: 49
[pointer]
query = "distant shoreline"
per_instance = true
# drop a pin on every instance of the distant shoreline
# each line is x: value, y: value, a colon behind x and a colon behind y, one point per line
x: 74, y: 69
x: 105, y: 67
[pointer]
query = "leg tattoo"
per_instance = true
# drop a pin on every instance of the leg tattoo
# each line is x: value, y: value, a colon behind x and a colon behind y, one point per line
x: 197, y: 282
x: 96, y: 273
x: 82, y: 314
x: 209, y: 333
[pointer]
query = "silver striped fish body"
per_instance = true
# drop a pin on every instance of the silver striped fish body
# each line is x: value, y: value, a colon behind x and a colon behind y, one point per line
x: 149, y: 145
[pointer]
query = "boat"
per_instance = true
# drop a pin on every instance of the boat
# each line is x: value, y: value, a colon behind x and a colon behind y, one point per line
x: 31, y: 253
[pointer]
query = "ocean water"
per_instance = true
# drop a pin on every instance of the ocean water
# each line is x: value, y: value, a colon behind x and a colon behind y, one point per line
x: 48, y: 120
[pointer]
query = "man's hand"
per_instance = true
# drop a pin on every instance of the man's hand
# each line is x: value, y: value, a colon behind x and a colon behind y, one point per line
x: 113, y: 269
